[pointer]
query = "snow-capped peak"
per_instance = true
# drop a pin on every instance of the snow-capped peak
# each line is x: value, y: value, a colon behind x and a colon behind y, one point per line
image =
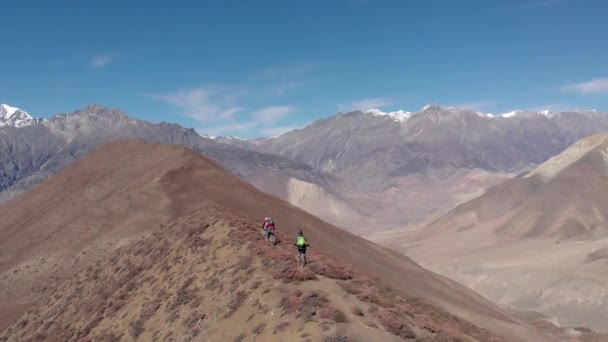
x: 547, y: 113
x: 397, y: 116
x: 235, y: 137
x: 511, y: 113
x: 431, y: 106
x: 15, y: 117
x: 8, y: 109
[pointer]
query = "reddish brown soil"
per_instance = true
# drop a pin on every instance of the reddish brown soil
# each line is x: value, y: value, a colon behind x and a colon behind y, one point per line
x: 173, y: 196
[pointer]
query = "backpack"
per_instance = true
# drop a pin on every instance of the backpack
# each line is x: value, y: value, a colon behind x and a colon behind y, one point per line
x: 300, y: 241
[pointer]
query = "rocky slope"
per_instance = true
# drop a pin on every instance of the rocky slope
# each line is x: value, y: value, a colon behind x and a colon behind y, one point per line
x: 30, y: 154
x: 536, y: 242
x: 168, y: 247
x: 373, y: 150
x: 401, y: 167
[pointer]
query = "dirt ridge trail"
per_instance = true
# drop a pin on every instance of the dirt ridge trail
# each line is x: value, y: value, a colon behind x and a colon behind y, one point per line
x: 209, y: 276
x: 187, y: 190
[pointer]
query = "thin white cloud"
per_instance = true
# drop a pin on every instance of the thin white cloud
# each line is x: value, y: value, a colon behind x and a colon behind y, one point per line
x: 272, y: 114
x: 594, y: 86
x: 101, y: 61
x: 204, y: 103
x: 221, y: 109
x: 477, y: 105
x: 365, y: 104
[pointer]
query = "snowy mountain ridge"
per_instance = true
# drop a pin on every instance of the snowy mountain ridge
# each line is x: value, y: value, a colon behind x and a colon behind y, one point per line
x: 15, y: 117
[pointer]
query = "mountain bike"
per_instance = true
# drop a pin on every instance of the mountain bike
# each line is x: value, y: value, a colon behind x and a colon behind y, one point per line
x: 302, y: 261
x: 270, y: 237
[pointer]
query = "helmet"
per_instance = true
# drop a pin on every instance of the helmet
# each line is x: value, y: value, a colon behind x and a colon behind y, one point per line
x: 266, y: 218
x: 300, y: 232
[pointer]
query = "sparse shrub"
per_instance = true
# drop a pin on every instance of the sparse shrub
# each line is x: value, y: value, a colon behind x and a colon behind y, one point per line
x: 332, y: 313
x: 336, y: 338
x: 310, y: 305
x: 349, y: 287
x: 149, y: 310
x: 213, y: 284
x: 183, y: 297
x: 174, y: 316
x: 291, y: 273
x: 258, y: 330
x: 92, y: 324
x: 136, y: 328
x: 47, y: 325
x: 109, y: 337
x: 358, y: 311
x: 292, y: 302
x: 188, y: 282
x: 314, y: 299
x: 243, y: 264
x: 280, y: 327
x: 371, y: 297
x: 395, y: 325
x: 193, y: 319
x: 40, y: 337
x: 240, y: 338
x: 196, y: 302
x: 256, y: 284
x: 22, y: 323
x: 235, y: 303
x: 331, y: 270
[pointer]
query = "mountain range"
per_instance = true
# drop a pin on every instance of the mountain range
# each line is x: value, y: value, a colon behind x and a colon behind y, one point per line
x: 399, y: 168
x: 33, y: 152
x: 372, y: 173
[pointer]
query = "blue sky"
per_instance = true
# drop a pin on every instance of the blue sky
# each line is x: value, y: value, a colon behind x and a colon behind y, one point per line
x: 252, y: 68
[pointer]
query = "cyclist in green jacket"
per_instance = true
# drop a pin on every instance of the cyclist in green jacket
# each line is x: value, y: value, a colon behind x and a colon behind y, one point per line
x: 301, y: 244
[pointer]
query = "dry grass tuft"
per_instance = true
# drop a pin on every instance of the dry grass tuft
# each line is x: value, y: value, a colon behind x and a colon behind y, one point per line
x: 235, y: 303
x: 332, y: 313
x: 280, y: 327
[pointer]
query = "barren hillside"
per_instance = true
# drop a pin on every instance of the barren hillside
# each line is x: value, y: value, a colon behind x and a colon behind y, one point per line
x: 169, y: 247
x: 536, y: 242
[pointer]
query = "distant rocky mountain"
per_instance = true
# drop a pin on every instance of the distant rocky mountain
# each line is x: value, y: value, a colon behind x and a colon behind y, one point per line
x: 31, y: 153
x: 15, y: 117
x: 378, y: 170
x: 373, y: 148
x: 564, y: 198
x: 404, y: 166
x: 543, y: 233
